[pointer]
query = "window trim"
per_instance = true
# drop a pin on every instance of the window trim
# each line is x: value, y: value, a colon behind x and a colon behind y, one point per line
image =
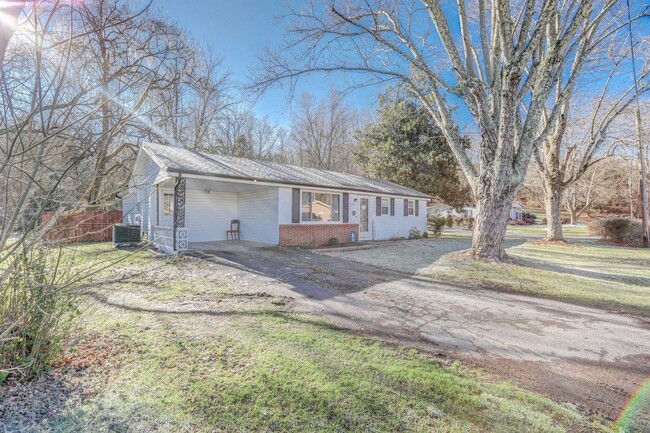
x: 316, y: 191
x: 163, y: 193
x: 411, y: 207
x: 387, y: 200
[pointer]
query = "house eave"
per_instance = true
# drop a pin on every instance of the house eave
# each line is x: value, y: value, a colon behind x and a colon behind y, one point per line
x: 258, y: 181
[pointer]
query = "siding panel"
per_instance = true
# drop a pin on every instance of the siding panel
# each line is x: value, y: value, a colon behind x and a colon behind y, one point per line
x: 208, y: 215
x: 258, y: 212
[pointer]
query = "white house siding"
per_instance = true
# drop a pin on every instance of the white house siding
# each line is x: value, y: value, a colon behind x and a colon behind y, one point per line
x: 284, y: 205
x: 146, y: 203
x: 398, y: 225
x: 257, y: 211
x: 208, y: 214
x: 381, y: 227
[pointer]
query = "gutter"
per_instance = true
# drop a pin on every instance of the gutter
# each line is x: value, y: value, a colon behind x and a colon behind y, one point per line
x: 180, y: 173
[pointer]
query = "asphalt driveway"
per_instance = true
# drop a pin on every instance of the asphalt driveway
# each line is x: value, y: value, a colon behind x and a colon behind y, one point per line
x: 571, y: 353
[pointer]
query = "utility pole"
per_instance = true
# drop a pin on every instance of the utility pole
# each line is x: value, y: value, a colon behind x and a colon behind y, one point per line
x: 643, y: 179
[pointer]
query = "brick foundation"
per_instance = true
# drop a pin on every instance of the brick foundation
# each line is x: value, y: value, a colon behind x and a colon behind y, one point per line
x: 313, y: 235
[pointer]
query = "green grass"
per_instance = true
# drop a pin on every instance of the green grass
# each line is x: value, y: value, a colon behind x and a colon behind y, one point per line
x: 577, y: 230
x: 259, y: 366
x: 598, y: 275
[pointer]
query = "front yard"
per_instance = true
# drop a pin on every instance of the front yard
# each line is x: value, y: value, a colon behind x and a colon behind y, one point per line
x: 592, y: 274
x: 179, y: 345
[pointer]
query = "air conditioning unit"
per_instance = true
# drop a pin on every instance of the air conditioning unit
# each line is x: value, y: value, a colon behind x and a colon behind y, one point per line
x: 126, y: 234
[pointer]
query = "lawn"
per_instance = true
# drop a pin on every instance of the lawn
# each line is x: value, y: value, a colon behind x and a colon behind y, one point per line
x: 577, y: 230
x: 603, y: 276
x: 588, y: 273
x: 173, y: 345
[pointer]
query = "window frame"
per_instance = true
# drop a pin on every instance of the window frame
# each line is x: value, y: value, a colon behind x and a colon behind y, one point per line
x: 411, y: 207
x: 165, y: 193
x: 387, y: 200
x: 316, y: 191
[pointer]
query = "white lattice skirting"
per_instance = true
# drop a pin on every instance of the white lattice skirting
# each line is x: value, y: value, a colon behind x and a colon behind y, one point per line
x: 163, y: 239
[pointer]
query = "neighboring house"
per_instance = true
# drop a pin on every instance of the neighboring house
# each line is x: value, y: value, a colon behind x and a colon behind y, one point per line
x: 516, y: 213
x: 179, y: 196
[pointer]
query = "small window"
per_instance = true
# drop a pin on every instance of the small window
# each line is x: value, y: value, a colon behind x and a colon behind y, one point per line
x: 411, y: 207
x: 467, y: 213
x: 168, y: 203
x: 384, y: 206
x: 318, y: 206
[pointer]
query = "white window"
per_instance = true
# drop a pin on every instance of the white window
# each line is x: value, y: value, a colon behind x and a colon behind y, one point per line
x: 384, y: 206
x: 168, y: 203
x: 411, y: 207
x: 467, y: 213
x: 318, y: 206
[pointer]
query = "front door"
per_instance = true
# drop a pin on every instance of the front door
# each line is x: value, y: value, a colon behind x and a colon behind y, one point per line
x: 364, y: 218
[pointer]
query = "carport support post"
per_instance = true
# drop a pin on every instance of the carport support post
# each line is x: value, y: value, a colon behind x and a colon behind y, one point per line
x: 179, y: 207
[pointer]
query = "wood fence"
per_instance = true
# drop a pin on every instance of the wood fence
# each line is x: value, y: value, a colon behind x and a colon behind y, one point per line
x: 91, y: 226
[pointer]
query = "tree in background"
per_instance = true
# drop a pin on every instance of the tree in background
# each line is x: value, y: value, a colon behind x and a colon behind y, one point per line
x: 510, y: 65
x: 323, y: 133
x: 405, y: 146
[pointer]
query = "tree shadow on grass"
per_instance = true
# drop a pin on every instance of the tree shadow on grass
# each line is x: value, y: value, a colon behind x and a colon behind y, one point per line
x: 581, y: 272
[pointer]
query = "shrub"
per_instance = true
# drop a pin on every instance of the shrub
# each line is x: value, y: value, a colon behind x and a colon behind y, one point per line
x: 36, y: 309
x: 516, y: 223
x: 414, y: 233
x: 449, y: 221
x: 470, y: 223
x: 436, y: 224
x: 460, y: 221
x: 620, y: 230
x: 528, y: 215
x: 333, y: 241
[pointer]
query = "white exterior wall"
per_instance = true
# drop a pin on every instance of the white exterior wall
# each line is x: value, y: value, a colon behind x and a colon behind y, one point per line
x: 398, y: 225
x: 284, y: 205
x: 381, y: 228
x: 139, y: 204
x: 208, y: 214
x: 257, y: 211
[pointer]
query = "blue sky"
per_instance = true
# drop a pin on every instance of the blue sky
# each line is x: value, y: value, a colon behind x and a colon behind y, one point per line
x: 239, y: 30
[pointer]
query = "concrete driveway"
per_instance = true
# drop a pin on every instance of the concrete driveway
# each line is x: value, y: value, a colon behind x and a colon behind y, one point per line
x: 576, y: 354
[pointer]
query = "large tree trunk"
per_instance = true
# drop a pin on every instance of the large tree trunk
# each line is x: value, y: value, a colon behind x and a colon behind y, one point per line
x: 553, y: 207
x: 493, y: 206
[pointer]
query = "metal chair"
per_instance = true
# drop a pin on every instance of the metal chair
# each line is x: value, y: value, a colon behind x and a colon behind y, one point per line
x: 234, y: 230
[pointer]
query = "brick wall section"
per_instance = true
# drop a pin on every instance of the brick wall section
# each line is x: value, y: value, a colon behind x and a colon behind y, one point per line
x: 313, y: 235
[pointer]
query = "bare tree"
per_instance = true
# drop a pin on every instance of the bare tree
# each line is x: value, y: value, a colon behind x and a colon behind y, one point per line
x: 323, y: 133
x: 74, y: 79
x: 244, y: 134
x: 504, y: 65
x: 578, y: 142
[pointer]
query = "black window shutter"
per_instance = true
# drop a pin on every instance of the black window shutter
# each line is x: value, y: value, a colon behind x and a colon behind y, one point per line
x: 392, y: 207
x: 406, y: 207
x: 346, y: 206
x: 417, y: 207
x: 378, y: 206
x: 295, y: 205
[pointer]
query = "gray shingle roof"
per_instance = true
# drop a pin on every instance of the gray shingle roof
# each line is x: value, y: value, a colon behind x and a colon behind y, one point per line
x: 176, y: 160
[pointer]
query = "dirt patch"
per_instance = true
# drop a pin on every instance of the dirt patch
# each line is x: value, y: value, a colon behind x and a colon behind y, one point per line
x: 85, y: 361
